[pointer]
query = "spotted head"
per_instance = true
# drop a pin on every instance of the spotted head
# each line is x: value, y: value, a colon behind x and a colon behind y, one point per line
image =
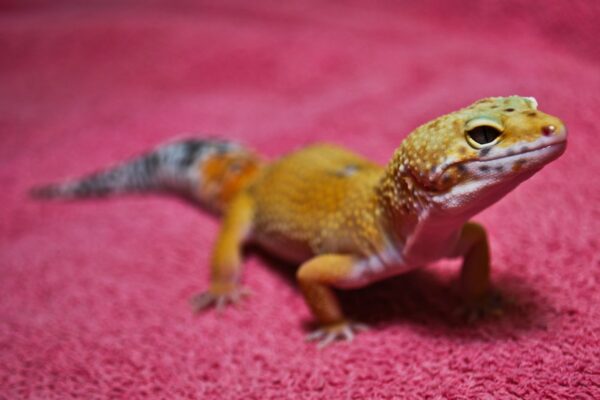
x: 478, y: 154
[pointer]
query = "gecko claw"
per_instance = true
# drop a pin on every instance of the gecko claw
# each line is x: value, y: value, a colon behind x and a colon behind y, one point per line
x: 219, y: 300
x: 340, y: 331
x: 201, y: 301
x: 491, y: 306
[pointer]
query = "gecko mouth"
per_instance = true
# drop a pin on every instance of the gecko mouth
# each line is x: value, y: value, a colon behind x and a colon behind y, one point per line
x: 511, y: 161
x: 553, y: 149
x: 515, y: 161
x: 560, y: 147
x: 527, y: 161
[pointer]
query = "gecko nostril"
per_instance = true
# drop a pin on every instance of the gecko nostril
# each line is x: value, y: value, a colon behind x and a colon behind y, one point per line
x: 548, y: 130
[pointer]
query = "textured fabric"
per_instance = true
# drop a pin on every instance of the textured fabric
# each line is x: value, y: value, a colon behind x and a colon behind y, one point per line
x: 94, y: 294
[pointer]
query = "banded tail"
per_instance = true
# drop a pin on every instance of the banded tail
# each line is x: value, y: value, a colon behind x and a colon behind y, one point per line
x: 210, y: 171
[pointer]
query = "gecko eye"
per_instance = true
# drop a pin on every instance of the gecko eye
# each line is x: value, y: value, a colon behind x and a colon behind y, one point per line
x: 482, y: 132
x: 483, y: 135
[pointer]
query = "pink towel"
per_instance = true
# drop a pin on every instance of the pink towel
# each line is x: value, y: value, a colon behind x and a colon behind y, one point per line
x: 94, y: 294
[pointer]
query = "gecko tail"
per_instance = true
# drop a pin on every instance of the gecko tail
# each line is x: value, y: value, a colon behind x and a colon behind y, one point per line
x: 209, y: 171
x: 135, y: 175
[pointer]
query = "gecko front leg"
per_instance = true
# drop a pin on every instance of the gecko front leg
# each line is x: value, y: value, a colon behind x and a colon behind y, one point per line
x: 475, y: 272
x: 227, y: 258
x: 315, y: 277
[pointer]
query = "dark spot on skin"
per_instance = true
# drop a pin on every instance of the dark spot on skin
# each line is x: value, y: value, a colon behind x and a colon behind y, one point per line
x: 510, y: 152
x: 531, y: 114
x: 98, y: 184
x: 347, y: 170
x: 462, y: 150
x: 151, y: 163
x: 484, y: 168
x: 190, y: 150
x: 446, y: 179
x: 509, y: 109
x: 524, y: 149
x: 494, y: 107
x: 518, y: 165
x: 499, y: 169
x: 484, y: 152
x: 461, y: 168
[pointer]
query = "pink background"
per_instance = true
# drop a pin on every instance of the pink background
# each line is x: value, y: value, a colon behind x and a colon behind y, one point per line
x: 94, y: 295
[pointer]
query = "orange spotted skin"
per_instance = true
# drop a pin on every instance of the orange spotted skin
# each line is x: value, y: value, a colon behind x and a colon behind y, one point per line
x: 318, y: 200
x: 325, y: 199
x: 224, y: 177
x: 350, y: 222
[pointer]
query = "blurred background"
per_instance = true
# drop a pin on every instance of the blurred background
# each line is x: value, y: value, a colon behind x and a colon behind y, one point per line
x: 94, y: 294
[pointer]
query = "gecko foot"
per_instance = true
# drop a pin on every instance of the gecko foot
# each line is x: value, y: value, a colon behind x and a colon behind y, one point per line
x: 491, y: 305
x: 338, y: 331
x: 218, y: 298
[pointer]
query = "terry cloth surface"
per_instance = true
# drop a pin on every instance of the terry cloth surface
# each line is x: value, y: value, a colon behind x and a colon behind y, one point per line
x: 94, y: 294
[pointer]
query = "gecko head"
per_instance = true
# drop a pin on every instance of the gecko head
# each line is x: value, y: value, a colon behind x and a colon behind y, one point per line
x: 474, y: 156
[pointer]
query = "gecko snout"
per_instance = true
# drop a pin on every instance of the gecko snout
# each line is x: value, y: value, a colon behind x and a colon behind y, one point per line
x: 557, y: 130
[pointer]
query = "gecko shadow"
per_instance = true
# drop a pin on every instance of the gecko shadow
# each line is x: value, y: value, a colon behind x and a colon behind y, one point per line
x: 426, y: 298
x: 429, y: 299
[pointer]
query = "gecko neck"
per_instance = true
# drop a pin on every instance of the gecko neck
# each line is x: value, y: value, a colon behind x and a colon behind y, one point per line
x: 411, y: 218
x: 401, y: 200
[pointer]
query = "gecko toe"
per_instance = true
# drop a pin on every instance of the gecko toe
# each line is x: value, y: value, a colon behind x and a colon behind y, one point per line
x: 345, y: 331
x: 347, y: 334
x: 492, y: 306
x: 327, y: 340
x: 220, y: 301
x: 202, y: 301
